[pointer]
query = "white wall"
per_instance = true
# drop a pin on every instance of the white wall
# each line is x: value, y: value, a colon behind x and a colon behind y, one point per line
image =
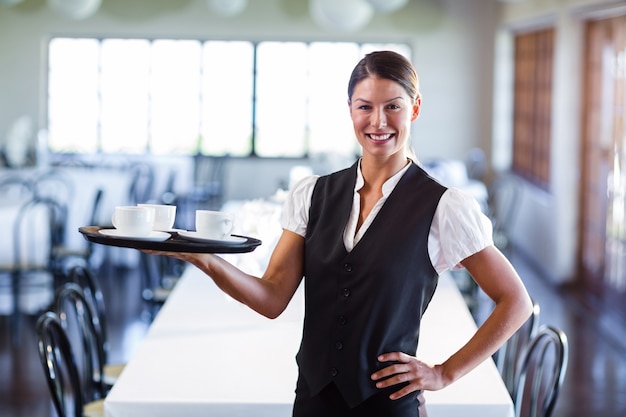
x: 452, y: 42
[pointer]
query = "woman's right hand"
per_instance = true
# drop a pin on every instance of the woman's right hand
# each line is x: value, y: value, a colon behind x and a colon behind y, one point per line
x: 192, y: 258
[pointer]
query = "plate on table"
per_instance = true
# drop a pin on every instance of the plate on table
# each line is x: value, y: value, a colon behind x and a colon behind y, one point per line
x: 172, y: 230
x: 195, y: 237
x: 174, y: 242
x: 152, y: 237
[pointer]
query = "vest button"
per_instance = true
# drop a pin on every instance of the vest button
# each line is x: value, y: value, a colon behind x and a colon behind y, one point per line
x: 338, y: 345
x: 334, y: 372
x: 347, y: 267
x: 346, y: 292
x: 342, y: 320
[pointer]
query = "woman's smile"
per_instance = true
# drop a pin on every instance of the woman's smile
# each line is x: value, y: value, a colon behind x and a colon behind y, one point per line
x: 380, y: 137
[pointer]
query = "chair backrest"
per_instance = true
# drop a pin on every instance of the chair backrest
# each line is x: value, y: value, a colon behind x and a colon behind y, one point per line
x: 39, y: 227
x: 542, y: 373
x: 94, y: 220
x: 504, y: 195
x: 95, y: 207
x: 511, y: 355
x: 59, y: 365
x: 142, y: 184
x: 55, y: 185
x: 210, y: 178
x: 476, y: 162
x: 76, y: 316
x: 16, y: 187
x: 168, y: 196
x: 83, y: 276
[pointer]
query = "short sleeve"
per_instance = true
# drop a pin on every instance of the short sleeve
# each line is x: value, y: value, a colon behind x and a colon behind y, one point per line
x: 295, y: 214
x: 459, y: 229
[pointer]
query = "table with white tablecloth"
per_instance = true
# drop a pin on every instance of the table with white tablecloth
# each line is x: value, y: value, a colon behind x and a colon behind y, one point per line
x: 207, y: 355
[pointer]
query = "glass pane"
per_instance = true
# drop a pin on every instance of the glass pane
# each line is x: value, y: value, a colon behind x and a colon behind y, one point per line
x: 175, y: 105
x: 227, y: 94
x: 125, y: 95
x: 182, y: 96
x: 73, y: 106
x: 281, y: 103
x: 330, y: 126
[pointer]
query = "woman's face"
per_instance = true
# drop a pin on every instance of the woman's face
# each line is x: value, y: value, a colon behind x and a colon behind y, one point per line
x: 382, y: 113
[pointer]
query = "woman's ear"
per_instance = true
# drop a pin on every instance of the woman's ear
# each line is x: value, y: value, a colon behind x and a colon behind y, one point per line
x: 416, y: 109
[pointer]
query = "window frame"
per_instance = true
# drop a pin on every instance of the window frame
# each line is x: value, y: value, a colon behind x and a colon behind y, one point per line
x: 363, y: 47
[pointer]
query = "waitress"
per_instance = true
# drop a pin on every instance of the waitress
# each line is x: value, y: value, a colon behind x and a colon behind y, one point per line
x: 369, y: 242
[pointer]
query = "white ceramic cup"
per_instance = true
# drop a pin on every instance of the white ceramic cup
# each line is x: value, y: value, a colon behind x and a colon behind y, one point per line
x: 133, y: 220
x: 215, y: 225
x: 164, y: 216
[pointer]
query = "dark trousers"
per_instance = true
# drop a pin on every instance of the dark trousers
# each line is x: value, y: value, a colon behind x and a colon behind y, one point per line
x: 330, y: 403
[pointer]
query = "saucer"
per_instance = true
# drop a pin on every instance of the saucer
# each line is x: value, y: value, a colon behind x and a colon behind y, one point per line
x: 171, y: 230
x: 194, y: 236
x: 153, y: 236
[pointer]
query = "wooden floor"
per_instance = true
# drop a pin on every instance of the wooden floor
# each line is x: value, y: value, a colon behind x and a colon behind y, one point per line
x: 595, y: 384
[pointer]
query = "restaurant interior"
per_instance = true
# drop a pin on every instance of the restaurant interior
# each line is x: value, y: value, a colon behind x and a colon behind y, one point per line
x: 523, y: 106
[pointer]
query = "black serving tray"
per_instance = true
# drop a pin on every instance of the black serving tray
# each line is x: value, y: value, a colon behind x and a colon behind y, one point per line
x: 174, y: 244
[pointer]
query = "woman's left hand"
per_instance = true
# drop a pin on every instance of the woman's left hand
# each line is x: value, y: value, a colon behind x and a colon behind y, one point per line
x: 407, y: 369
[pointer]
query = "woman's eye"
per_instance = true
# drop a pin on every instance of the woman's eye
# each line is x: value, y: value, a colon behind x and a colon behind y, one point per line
x: 364, y: 107
x: 394, y: 106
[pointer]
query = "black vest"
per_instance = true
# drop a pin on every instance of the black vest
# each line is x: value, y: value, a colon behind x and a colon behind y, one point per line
x: 371, y: 300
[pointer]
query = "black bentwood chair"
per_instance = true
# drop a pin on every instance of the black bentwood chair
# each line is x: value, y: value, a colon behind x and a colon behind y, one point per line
x: 37, y: 228
x: 84, y: 277
x: 61, y: 371
x: 542, y: 374
x: 504, y: 195
x: 64, y: 256
x: 83, y: 328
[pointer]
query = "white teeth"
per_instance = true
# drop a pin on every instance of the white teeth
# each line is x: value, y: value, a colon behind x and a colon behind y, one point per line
x: 380, y: 137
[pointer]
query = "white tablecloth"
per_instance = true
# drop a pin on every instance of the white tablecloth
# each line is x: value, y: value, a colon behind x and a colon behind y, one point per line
x: 207, y: 355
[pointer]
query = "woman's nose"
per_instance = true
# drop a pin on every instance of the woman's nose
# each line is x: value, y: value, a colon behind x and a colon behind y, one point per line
x: 379, y: 120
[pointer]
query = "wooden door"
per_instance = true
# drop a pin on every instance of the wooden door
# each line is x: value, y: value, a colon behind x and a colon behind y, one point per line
x: 602, y: 247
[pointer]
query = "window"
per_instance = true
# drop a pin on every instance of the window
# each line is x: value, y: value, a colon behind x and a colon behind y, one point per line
x: 165, y: 96
x: 226, y: 98
x: 533, y: 106
x: 281, y: 100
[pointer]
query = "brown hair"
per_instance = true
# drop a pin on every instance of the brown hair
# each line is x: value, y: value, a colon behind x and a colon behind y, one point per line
x: 388, y: 65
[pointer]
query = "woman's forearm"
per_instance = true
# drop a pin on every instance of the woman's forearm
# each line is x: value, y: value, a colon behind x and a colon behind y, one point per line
x: 268, y: 295
x: 495, y: 275
x: 507, y: 316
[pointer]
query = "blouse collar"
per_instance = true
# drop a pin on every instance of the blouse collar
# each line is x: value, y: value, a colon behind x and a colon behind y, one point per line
x: 388, y: 186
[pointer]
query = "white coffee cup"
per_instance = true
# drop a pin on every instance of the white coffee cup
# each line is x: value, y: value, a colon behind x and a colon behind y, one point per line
x: 133, y: 220
x: 215, y: 225
x: 164, y: 216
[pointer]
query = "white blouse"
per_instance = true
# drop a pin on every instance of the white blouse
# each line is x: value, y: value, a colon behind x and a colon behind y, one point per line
x: 459, y: 228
